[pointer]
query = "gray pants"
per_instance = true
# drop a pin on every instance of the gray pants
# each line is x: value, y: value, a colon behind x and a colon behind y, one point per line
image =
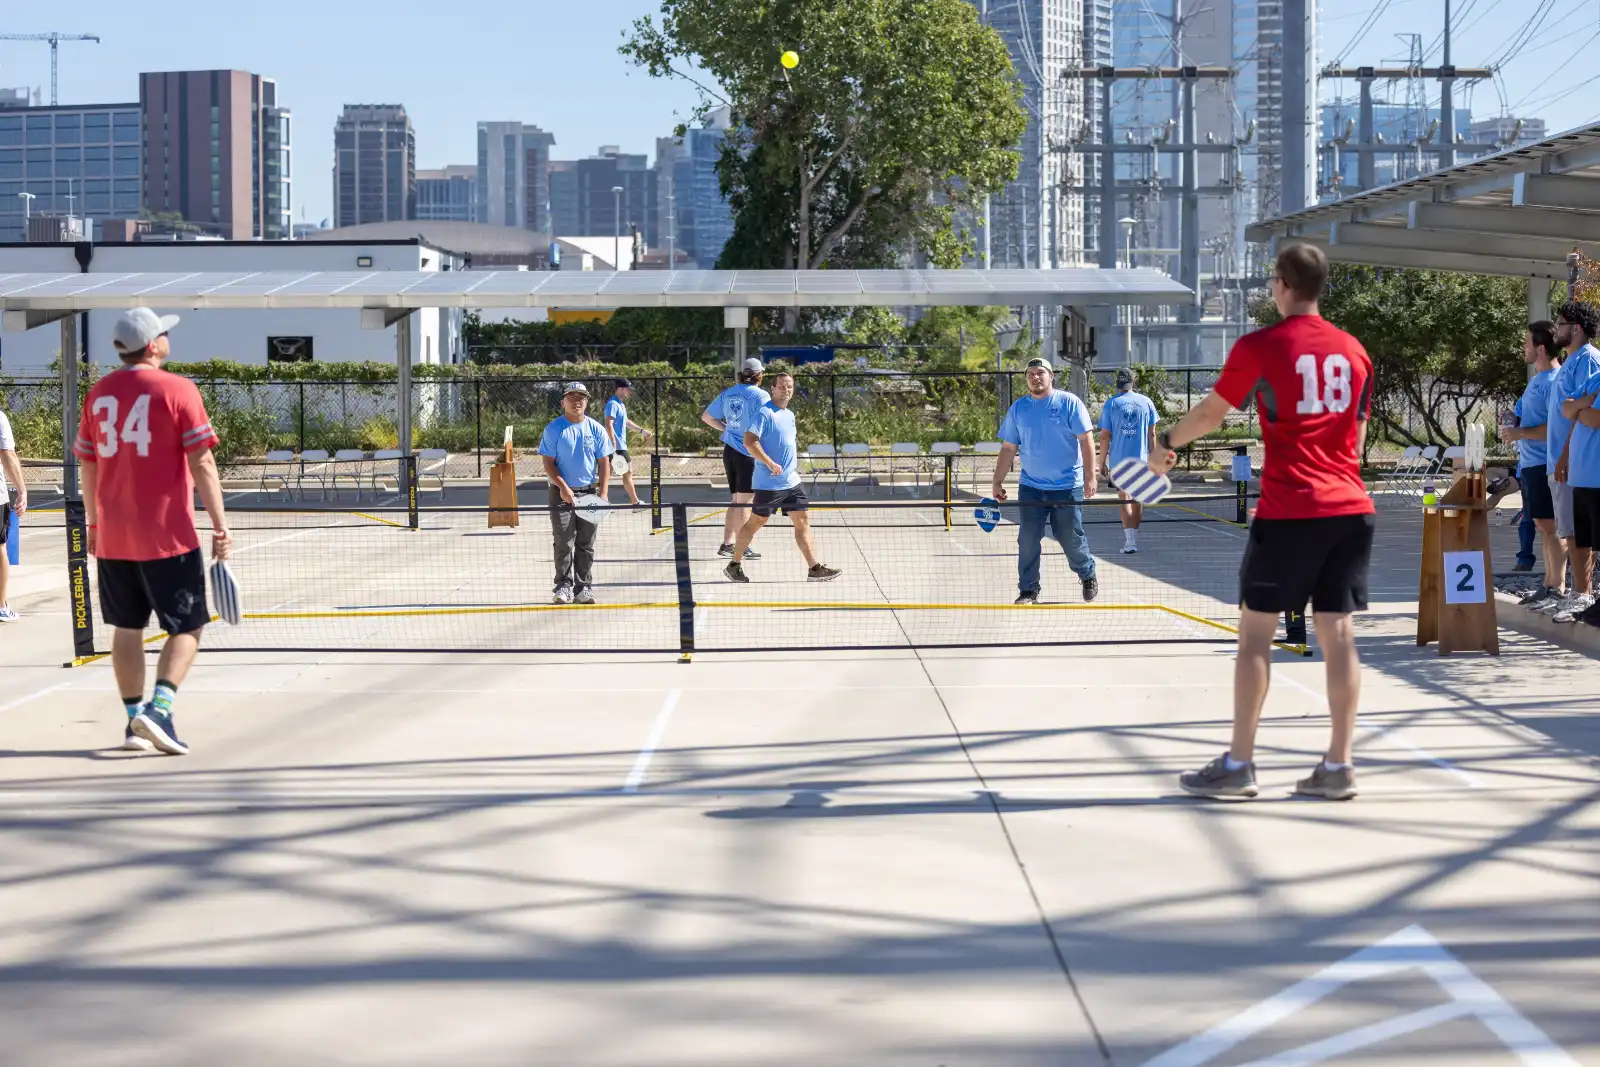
x: 574, y: 543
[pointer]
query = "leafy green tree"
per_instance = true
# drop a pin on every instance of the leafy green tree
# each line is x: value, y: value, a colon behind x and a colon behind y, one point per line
x: 1442, y: 344
x: 900, y: 114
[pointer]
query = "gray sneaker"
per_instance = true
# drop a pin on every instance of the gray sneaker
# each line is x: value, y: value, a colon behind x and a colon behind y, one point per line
x: 735, y: 573
x: 1571, y: 609
x: 1539, y: 596
x: 584, y: 597
x: 1329, y: 785
x: 822, y: 573
x: 1214, y: 780
x: 1026, y: 599
x: 1564, y: 606
x: 563, y: 596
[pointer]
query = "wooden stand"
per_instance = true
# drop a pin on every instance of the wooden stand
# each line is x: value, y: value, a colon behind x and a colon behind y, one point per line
x: 503, y: 492
x: 1455, y: 599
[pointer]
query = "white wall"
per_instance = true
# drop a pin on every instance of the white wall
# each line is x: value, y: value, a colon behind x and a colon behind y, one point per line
x: 237, y: 335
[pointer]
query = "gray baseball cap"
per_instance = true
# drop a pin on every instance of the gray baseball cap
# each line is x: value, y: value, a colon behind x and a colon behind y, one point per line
x: 1124, y: 377
x: 575, y: 387
x: 137, y: 328
x: 752, y: 366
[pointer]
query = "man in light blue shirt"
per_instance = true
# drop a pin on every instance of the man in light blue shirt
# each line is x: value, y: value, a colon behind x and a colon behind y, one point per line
x: 1580, y: 387
x: 1576, y: 323
x: 617, y: 426
x: 772, y: 440
x: 1051, y: 428
x: 730, y: 414
x: 1127, y: 431
x: 1532, y: 411
x: 574, y: 448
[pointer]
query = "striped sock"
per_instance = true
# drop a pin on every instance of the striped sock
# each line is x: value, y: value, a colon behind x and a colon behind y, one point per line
x: 132, y: 705
x: 161, y: 700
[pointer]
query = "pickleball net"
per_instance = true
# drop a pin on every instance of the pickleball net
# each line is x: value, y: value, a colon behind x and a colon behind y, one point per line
x: 915, y: 574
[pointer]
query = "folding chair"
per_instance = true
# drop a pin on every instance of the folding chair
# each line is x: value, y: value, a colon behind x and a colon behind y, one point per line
x: 1451, y: 454
x: 904, y: 449
x: 277, y: 468
x: 1405, y: 468
x: 939, y: 449
x: 430, y: 464
x: 1428, y: 466
x: 857, y: 451
x: 984, y: 448
x: 313, y: 468
x: 815, y: 455
x: 343, y: 461
x: 385, y: 468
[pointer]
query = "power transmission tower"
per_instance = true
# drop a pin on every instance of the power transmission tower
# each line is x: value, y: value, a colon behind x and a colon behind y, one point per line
x: 54, y: 40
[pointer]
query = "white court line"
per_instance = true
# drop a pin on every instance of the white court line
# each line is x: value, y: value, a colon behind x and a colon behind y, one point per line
x: 961, y: 547
x: 31, y: 697
x: 657, y: 730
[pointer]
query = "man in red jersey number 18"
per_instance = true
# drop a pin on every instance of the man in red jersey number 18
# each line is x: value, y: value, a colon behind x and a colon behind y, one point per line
x: 144, y: 445
x: 1312, y: 535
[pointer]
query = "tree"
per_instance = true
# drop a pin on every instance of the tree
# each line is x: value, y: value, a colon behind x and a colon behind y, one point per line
x: 1442, y: 344
x: 900, y: 114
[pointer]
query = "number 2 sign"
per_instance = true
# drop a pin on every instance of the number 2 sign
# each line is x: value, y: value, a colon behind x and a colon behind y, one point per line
x: 1464, y: 578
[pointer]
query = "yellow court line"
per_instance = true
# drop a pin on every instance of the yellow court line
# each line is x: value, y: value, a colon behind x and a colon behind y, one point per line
x: 1301, y: 650
x: 1202, y: 514
x: 703, y: 518
x: 374, y: 518
x: 882, y: 606
x: 518, y: 609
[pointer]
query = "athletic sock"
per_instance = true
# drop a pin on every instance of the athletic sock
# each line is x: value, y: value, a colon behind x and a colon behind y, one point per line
x: 1335, y: 766
x: 133, y: 704
x: 161, y: 700
x: 1232, y: 764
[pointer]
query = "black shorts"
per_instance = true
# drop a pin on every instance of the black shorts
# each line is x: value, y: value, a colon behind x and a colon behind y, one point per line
x: 1290, y: 561
x: 5, y: 522
x: 1586, y: 517
x: 789, y: 500
x: 174, y: 588
x: 1536, y: 498
x: 740, y: 469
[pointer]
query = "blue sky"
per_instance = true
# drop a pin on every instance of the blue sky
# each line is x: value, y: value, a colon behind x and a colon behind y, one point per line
x: 554, y: 63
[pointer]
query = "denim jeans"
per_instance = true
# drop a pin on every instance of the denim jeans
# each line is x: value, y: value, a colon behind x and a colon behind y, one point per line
x: 1525, y: 532
x: 1066, y: 523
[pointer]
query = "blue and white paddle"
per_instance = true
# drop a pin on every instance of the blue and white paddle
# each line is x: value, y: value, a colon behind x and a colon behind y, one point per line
x: 1134, y: 477
x: 987, y: 514
x: 225, y: 594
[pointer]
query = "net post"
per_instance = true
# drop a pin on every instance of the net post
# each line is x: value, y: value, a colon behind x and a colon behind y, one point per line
x: 655, y: 490
x: 411, y: 491
x: 78, y: 583
x: 477, y: 390
x: 949, y: 485
x: 680, y: 558
x: 1242, y: 517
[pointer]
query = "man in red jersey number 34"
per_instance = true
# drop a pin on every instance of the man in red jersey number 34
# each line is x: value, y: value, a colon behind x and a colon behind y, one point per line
x: 1312, y: 535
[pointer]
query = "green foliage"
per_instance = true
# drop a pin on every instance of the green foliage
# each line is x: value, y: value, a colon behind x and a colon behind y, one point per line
x: 1443, y: 345
x: 900, y: 113
x: 965, y: 334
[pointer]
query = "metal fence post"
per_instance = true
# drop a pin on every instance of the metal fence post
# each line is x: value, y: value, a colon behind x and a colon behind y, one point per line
x: 655, y: 421
x: 302, y: 420
x: 833, y: 398
x: 949, y: 485
x: 477, y: 388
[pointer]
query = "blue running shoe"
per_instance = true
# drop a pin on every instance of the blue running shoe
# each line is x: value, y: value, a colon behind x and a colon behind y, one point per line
x: 132, y: 742
x: 156, y: 727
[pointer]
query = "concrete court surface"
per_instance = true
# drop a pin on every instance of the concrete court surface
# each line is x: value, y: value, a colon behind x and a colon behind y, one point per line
x: 970, y: 857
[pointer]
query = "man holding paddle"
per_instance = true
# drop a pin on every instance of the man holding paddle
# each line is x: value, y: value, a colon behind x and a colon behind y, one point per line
x: 617, y: 426
x: 574, y: 448
x: 1312, y: 535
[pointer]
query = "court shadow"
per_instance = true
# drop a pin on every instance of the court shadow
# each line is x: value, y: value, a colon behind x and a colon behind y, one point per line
x: 819, y: 804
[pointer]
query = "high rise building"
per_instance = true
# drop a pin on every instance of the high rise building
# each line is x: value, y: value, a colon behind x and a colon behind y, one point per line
x: 448, y: 195
x: 514, y: 175
x: 564, y: 215
x: 582, y: 203
x: 81, y: 160
x: 1032, y: 223
x: 217, y: 151
x: 689, y: 200
x: 1098, y: 51
x: 1269, y: 108
x: 375, y: 165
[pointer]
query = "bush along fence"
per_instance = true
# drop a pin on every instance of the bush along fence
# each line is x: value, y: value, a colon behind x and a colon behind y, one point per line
x: 466, y: 413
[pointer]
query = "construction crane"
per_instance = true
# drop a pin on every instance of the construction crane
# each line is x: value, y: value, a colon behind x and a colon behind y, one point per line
x: 55, y: 40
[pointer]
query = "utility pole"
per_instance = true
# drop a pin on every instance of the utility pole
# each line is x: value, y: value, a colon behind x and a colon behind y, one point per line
x: 54, y: 40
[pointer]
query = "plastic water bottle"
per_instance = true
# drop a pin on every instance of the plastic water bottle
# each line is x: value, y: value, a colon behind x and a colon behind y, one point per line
x: 1430, y: 495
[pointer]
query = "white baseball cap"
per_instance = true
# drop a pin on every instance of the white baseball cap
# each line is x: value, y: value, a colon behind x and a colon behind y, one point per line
x: 137, y: 328
x: 575, y: 387
x: 752, y: 366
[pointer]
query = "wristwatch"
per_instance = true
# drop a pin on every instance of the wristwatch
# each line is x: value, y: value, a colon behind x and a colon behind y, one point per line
x: 1164, y: 439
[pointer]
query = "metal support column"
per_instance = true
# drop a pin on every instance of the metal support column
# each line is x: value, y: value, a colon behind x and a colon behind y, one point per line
x: 1299, y: 105
x: 1366, y: 158
x: 71, y: 405
x: 402, y: 363
x: 1447, y: 103
x: 1189, y: 237
x: 1108, y: 184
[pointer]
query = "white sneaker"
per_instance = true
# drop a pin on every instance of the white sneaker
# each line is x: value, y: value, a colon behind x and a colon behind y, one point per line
x: 132, y: 742
x: 1576, y: 606
x: 1130, y: 549
x: 1553, y: 606
x: 7, y: 615
x: 562, y: 596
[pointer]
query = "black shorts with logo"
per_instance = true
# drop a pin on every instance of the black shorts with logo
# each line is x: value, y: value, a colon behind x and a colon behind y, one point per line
x: 173, y: 588
x: 788, y: 500
x: 1536, y: 498
x: 1586, y: 517
x: 740, y: 469
x: 1288, y: 562
x: 5, y: 521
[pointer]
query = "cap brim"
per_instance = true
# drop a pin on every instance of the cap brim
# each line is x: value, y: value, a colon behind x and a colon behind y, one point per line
x: 168, y: 322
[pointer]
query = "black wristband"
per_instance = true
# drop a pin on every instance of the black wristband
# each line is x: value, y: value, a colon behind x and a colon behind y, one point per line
x: 1164, y: 439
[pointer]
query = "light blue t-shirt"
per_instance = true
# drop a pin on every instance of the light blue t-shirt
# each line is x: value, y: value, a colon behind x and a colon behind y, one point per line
x: 577, y: 448
x: 774, y: 428
x: 617, y: 416
x: 1129, y: 418
x: 1046, y: 432
x: 736, y: 406
x: 1583, y: 461
x: 1532, y: 410
x: 1577, y: 367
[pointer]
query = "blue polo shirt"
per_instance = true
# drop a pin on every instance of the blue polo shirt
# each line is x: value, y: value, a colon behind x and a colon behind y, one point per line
x: 617, y: 416
x: 1583, y: 461
x: 774, y: 428
x: 1577, y: 367
x: 1128, y: 418
x: 1533, y: 410
x: 577, y: 448
x: 737, y: 406
x: 1046, y: 432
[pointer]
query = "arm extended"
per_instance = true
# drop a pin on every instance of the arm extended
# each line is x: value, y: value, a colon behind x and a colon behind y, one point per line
x: 203, y: 467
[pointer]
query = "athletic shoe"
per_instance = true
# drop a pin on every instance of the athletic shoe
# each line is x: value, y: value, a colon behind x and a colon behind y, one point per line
x: 1579, y: 605
x: 749, y: 553
x: 1329, y: 785
x: 1214, y: 780
x: 584, y: 597
x: 735, y: 573
x: 1027, y: 599
x: 157, y: 728
x: 1091, y: 588
x: 132, y: 742
x: 563, y: 596
x: 1568, y: 606
x: 822, y: 573
x: 1522, y: 568
x: 1592, y: 615
x: 7, y: 615
x: 1539, y: 596
x: 1130, y: 550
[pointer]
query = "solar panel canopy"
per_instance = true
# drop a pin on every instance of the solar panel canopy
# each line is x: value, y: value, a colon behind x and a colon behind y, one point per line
x: 1073, y: 287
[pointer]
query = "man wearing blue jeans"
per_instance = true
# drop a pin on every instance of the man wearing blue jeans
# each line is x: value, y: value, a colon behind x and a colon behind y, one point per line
x: 1051, y: 428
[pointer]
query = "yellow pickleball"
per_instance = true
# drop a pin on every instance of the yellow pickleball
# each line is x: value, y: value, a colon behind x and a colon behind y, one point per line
x: 790, y: 60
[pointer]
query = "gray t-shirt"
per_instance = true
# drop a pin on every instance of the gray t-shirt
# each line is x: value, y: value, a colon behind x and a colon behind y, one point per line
x: 6, y: 442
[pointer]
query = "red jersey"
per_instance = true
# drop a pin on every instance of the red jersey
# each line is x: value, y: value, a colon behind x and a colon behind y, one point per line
x: 139, y: 427
x: 1313, y: 388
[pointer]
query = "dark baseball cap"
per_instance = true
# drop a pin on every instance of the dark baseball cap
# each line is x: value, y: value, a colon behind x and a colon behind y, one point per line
x: 1124, y: 377
x: 623, y: 383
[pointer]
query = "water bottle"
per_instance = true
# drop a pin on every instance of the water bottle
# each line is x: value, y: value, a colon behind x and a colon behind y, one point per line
x: 1430, y: 495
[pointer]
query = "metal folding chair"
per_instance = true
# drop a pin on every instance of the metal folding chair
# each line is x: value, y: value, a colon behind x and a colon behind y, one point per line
x: 278, y: 467
x: 347, y: 464
x: 313, y: 468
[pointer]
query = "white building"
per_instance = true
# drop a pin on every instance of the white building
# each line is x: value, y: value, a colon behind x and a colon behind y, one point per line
x: 256, y: 337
